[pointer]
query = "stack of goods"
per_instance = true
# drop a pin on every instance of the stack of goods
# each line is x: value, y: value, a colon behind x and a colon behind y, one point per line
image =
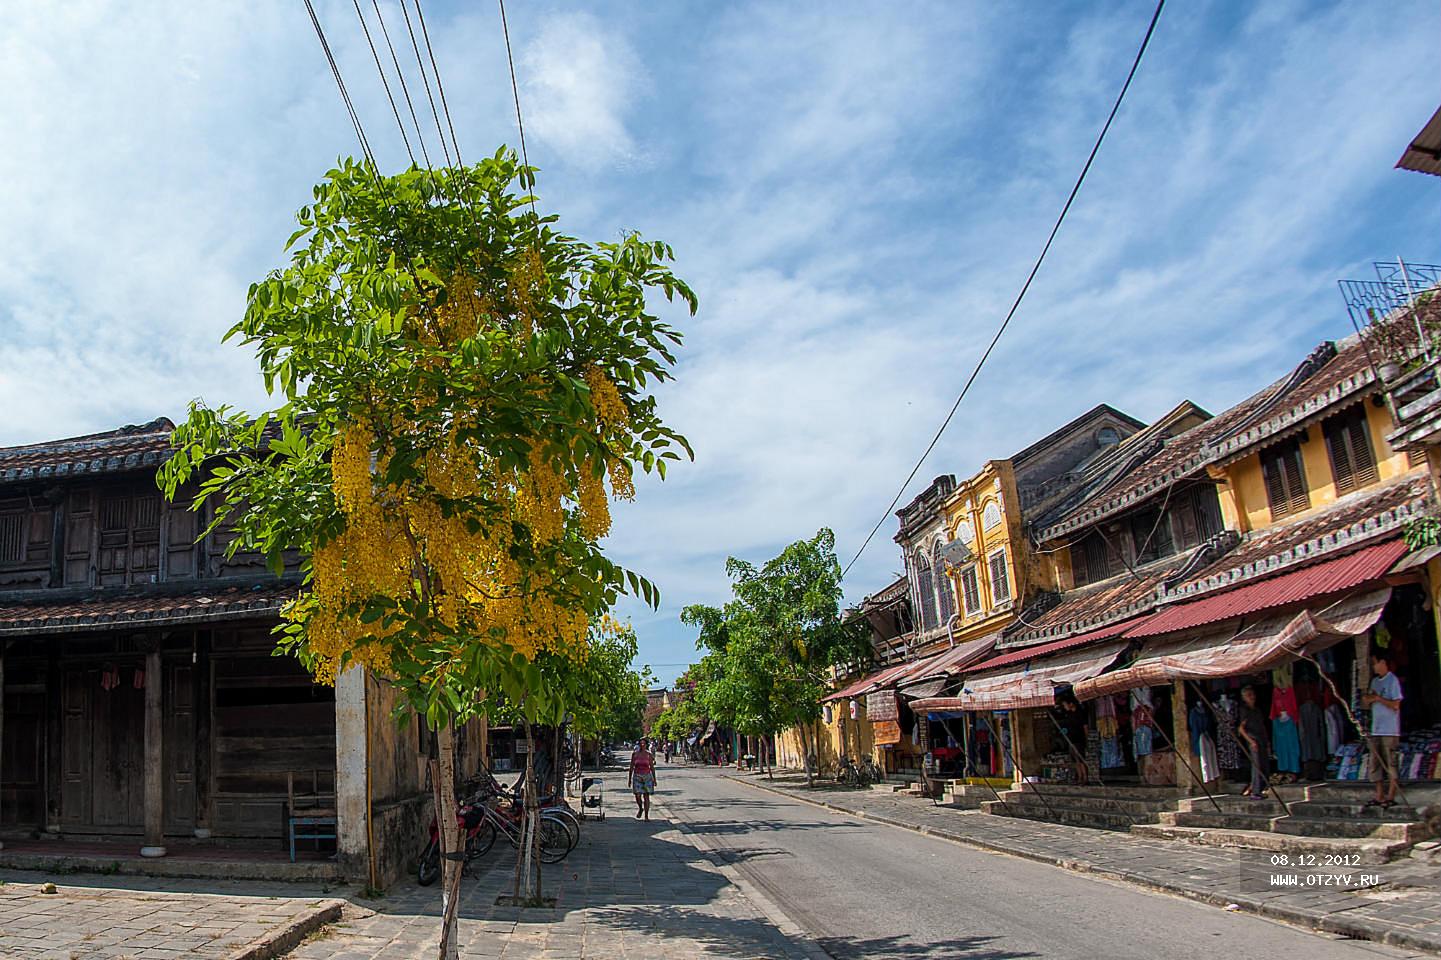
x: 1056, y: 767
x: 1351, y: 762
x: 1416, y: 759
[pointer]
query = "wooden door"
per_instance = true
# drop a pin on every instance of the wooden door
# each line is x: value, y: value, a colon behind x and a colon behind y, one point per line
x: 179, y: 723
x: 21, y: 760
x: 102, y: 752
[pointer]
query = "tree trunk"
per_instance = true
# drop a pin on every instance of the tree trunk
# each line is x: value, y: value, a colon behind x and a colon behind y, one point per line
x: 527, y: 890
x: 806, y: 754
x: 452, y: 856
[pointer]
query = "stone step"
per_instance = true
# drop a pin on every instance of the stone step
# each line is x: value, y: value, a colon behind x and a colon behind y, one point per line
x: 1322, y: 827
x: 1100, y: 791
x: 1060, y: 812
x: 1396, y: 813
x: 889, y: 787
x: 962, y: 802
x: 1141, y: 808
x: 1368, y: 851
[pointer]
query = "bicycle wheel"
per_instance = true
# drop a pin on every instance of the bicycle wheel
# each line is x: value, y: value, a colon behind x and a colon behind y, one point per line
x: 480, y: 844
x: 429, y: 870
x: 572, y: 822
x: 555, y: 840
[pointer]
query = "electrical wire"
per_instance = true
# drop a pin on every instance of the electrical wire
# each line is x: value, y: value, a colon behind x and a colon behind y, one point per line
x: 425, y: 79
x: 404, y: 89
x: 340, y: 84
x: 383, y: 80
x: 440, y: 87
x: 515, y: 92
x: 1035, y: 268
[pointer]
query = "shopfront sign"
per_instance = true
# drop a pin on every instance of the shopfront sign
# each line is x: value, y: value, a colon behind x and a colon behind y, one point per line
x: 882, y: 705
x: 887, y: 732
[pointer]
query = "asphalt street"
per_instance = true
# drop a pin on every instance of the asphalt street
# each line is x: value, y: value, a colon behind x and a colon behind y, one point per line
x: 864, y: 889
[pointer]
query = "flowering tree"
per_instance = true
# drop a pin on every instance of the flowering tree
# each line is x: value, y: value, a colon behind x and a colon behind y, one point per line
x: 464, y: 390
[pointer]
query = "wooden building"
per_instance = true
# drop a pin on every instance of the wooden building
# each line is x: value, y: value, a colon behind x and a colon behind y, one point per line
x: 142, y: 704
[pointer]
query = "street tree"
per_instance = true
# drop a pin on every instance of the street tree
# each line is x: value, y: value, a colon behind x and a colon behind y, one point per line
x: 462, y: 389
x: 773, y: 646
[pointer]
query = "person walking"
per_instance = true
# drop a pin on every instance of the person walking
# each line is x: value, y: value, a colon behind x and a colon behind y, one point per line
x: 1384, y: 699
x: 640, y: 777
x: 1254, y: 732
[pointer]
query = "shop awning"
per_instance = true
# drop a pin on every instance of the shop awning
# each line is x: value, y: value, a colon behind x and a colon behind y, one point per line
x: 1265, y: 644
x: 874, y: 681
x: 928, y: 677
x: 1299, y: 586
x: 1032, y: 684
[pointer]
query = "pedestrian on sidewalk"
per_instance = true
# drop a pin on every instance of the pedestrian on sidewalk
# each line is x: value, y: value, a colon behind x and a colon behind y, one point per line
x: 641, y: 778
x: 1073, y: 728
x: 1384, y: 699
x: 1255, y: 733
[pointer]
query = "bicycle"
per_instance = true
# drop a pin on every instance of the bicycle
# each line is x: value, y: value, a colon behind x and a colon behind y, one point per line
x: 849, y: 774
x: 870, y: 772
x: 481, y: 819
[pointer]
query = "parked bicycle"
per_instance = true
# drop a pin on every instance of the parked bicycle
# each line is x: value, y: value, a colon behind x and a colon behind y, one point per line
x: 484, y: 815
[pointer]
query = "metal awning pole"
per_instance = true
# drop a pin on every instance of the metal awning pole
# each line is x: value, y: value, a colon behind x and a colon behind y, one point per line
x: 1015, y: 759
x: 1217, y: 714
x: 1193, y: 771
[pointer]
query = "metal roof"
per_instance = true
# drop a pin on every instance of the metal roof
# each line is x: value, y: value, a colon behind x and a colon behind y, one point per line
x: 1424, y: 153
x: 1056, y: 646
x: 1329, y: 576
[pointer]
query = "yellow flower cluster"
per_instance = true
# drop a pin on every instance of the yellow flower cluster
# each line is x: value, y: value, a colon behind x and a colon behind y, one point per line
x: 592, y: 503
x: 609, y: 406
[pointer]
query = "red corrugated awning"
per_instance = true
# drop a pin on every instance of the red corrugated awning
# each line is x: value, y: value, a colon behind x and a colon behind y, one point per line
x: 1273, y: 640
x: 1030, y: 685
x: 1056, y: 646
x: 872, y: 682
x: 1298, y: 586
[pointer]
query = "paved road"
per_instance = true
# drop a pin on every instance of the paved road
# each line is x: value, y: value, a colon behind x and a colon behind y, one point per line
x: 864, y: 889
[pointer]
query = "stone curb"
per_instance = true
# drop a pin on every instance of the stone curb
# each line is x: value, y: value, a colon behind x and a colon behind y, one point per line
x: 287, y: 937
x: 1356, y: 929
x: 768, y: 907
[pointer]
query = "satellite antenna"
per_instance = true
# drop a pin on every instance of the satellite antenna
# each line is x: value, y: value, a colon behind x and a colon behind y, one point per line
x: 956, y: 553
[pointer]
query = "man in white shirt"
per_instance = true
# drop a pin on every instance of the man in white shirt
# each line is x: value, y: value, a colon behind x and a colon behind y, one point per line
x: 1384, y: 699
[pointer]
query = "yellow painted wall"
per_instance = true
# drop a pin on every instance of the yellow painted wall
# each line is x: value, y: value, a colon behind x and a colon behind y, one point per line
x: 1243, y: 501
x: 995, y: 483
x: 826, y: 740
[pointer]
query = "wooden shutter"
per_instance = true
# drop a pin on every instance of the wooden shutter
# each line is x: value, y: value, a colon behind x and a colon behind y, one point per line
x: 925, y: 588
x: 971, y: 588
x: 12, y: 538
x: 1000, y: 581
x: 1348, y: 442
x: 945, y: 592
x: 1285, y: 480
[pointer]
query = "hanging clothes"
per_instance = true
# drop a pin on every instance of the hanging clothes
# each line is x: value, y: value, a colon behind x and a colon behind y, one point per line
x: 1108, y: 728
x: 1286, y: 742
x: 1228, y: 747
x: 1210, y: 765
x: 1335, y: 725
x: 1313, y: 741
x: 1142, y: 717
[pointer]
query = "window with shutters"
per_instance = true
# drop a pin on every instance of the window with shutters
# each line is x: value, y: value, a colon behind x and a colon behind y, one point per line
x: 1348, y: 442
x: 1195, y: 516
x: 1092, y: 559
x: 945, y: 592
x: 12, y: 539
x: 129, y: 547
x: 971, y: 590
x: 925, y: 592
x: 1150, y: 536
x: 1285, y: 479
x: 1000, y: 578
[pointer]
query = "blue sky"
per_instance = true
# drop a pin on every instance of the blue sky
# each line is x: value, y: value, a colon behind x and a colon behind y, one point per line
x: 855, y: 190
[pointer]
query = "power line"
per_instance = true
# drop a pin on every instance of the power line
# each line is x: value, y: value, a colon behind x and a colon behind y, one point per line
x: 515, y: 91
x: 340, y: 83
x: 404, y: 90
x: 444, y: 106
x: 1035, y: 268
x: 425, y: 79
x: 384, y: 82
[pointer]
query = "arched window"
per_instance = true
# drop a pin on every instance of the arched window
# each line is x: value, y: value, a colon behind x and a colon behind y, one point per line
x: 925, y: 592
x: 945, y: 592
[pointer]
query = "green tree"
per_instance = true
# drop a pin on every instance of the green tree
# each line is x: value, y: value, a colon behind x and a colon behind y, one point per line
x: 772, y: 647
x: 458, y: 382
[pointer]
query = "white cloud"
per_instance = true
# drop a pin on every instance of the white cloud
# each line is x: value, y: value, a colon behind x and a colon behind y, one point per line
x: 580, y: 79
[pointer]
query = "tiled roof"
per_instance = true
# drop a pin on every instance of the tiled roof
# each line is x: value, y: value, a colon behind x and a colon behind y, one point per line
x: 128, y: 448
x: 1351, y: 522
x: 888, y: 594
x: 1180, y: 456
x: 1331, y: 576
x: 217, y: 600
x: 1094, y: 607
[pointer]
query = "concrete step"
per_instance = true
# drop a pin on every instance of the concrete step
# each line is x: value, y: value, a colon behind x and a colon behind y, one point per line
x: 1061, y: 813
x: 1139, y: 808
x: 890, y: 787
x: 1322, y: 827
x: 1367, y: 851
x: 1104, y: 791
x: 1396, y: 813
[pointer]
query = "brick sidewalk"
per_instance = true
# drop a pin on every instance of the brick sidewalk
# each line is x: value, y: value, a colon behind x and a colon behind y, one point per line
x: 1404, y: 912
x: 630, y: 889
x: 153, y: 919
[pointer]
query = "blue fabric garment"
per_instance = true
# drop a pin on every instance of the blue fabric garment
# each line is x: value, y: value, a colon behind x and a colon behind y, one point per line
x: 1198, y: 718
x: 1141, y: 741
x: 1286, y: 742
x: 1386, y: 722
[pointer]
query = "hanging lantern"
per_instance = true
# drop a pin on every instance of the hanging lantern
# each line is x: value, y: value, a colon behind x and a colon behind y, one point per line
x: 830, y: 713
x: 855, y: 709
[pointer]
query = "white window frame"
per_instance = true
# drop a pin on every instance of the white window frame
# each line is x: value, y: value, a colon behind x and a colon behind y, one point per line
x: 973, y: 568
x: 991, y: 575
